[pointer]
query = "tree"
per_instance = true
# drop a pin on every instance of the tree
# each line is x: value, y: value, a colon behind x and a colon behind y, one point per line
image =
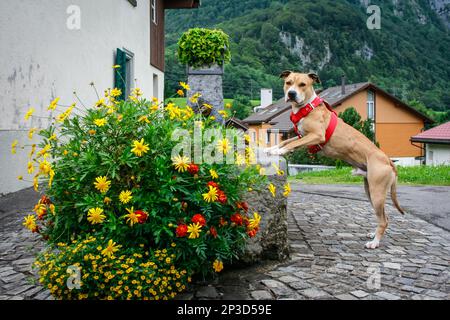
x: 353, y: 118
x: 241, y: 107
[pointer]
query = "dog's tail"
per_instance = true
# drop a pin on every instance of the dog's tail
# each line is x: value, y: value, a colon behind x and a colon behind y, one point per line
x: 394, y: 190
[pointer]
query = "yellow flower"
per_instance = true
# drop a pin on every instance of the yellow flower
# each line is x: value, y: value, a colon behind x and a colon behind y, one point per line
x: 125, y: 196
x: 102, y: 184
x: 51, y: 175
x: 30, y: 222
x: 115, y: 92
x: 31, y: 132
x: 180, y: 93
x: 29, y: 114
x: 211, y: 195
x: 20, y: 178
x: 44, y: 152
x: 110, y: 249
x: 100, y: 122
x: 212, y: 118
x: 144, y: 119
x: 36, y: 183
x: 194, y: 98
x: 207, y: 106
x: 213, y: 174
x: 228, y: 105
x: 277, y: 168
x: 240, y: 159
x: 253, y: 223
x: 13, y: 146
x: 247, y: 138
x: 223, y: 145
x: 185, y: 86
x: 53, y: 137
x: 44, y: 167
x: 100, y: 103
x: 131, y: 217
x: 53, y: 104
x: 63, y: 116
x: 107, y: 200
x: 116, y: 66
x: 223, y: 113
x: 181, y: 163
x: 137, y: 92
x: 273, y: 190
x: 52, y: 208
x: 218, y: 266
x: 194, y: 230
x: 287, y: 189
x: 95, y: 215
x: 33, y: 149
x: 139, y: 148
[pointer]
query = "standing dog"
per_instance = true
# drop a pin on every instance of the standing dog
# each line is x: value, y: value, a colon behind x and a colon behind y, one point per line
x: 320, y: 129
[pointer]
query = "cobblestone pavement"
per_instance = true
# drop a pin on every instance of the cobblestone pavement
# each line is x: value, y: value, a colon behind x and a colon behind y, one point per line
x: 328, y: 258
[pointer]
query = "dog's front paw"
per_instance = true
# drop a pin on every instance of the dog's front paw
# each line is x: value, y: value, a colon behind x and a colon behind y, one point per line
x: 373, y: 244
x: 278, y: 151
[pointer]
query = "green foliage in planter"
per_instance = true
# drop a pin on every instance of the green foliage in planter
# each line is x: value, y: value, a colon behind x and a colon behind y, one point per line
x: 198, y: 47
x: 110, y: 173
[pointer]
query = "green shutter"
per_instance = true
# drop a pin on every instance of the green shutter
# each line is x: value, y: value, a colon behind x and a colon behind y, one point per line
x: 120, y: 73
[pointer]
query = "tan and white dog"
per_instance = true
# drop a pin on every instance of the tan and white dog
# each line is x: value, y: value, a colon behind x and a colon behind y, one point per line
x: 346, y: 143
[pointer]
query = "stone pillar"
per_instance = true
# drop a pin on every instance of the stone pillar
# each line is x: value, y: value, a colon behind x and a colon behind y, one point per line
x: 208, y: 82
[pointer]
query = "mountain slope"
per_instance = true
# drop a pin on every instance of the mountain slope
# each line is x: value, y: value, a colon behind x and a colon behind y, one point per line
x: 408, y: 56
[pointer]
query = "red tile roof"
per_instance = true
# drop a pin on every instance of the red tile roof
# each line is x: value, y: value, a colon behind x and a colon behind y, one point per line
x: 437, y: 134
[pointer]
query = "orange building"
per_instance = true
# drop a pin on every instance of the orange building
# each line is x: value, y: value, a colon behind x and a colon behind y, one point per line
x: 394, y: 121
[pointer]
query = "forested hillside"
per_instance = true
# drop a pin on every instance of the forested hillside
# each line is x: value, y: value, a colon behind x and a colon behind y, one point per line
x: 408, y: 56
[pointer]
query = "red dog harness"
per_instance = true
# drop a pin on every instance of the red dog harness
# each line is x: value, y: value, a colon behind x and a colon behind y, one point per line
x: 304, y: 111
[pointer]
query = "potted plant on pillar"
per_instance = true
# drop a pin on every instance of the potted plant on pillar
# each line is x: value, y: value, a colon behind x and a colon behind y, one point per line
x: 204, y: 52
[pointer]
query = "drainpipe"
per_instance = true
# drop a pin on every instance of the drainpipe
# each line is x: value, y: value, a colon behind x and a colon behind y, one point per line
x: 343, y: 80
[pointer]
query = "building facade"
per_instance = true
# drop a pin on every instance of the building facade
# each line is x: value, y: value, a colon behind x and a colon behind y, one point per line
x: 437, y: 144
x: 52, y: 48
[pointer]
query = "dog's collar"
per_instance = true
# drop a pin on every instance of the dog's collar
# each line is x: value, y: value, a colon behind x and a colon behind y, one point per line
x: 306, y: 109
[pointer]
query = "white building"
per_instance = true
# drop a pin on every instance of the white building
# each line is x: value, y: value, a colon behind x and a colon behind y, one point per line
x: 437, y: 144
x: 51, y: 48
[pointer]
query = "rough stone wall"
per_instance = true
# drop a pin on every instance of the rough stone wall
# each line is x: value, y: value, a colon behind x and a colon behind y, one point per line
x: 271, y: 241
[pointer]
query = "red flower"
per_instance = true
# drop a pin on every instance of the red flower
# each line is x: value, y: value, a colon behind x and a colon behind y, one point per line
x: 141, y: 215
x: 252, y: 233
x: 193, y: 168
x: 212, y: 184
x: 222, y: 222
x: 181, y: 230
x: 198, y: 218
x: 222, y: 197
x: 45, y: 200
x: 213, y: 232
x: 237, y: 218
x: 242, y: 205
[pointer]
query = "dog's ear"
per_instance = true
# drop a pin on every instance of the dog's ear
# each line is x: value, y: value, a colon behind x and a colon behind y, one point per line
x: 315, y: 77
x: 285, y: 74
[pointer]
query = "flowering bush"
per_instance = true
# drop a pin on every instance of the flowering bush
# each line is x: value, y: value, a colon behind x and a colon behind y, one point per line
x: 110, y: 174
x: 110, y: 271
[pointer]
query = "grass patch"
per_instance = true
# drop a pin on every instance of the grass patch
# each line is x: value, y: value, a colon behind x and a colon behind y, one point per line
x: 419, y: 175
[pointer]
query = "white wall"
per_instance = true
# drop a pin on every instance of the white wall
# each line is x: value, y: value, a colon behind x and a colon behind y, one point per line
x: 42, y: 59
x: 441, y: 154
x: 406, y: 161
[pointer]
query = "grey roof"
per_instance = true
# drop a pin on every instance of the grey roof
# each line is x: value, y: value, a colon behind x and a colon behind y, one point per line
x: 268, y: 113
x: 334, y: 94
x: 237, y: 123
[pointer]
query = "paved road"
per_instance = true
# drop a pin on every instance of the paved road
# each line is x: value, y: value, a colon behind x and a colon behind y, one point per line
x: 328, y: 258
x: 427, y: 202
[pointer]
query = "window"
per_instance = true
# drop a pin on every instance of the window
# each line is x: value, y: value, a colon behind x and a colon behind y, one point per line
x: 155, y: 86
x: 430, y: 156
x: 276, y: 139
x: 153, y: 11
x: 370, y: 105
x: 253, y: 136
x: 124, y: 73
x: 268, y: 137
